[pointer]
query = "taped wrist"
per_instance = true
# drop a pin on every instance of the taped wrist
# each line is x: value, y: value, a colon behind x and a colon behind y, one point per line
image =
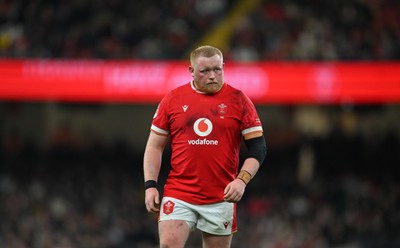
x: 245, y: 176
x: 150, y: 184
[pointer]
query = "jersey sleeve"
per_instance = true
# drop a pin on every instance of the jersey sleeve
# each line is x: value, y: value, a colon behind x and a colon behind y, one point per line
x: 160, y: 119
x: 250, y: 119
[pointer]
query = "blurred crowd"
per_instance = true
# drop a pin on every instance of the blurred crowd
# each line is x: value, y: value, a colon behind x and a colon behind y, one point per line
x: 319, y: 30
x: 274, y: 30
x: 69, y: 198
x: 340, y: 189
x: 104, y: 29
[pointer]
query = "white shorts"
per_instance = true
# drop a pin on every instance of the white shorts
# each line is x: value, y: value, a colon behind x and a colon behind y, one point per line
x: 217, y: 218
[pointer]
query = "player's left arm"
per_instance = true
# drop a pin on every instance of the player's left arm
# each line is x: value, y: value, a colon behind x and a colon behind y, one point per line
x: 257, y: 149
x: 256, y: 146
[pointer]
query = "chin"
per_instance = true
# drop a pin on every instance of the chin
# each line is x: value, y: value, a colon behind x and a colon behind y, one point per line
x: 213, y: 90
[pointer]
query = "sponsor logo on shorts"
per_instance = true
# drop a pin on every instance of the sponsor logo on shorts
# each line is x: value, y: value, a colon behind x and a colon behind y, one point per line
x: 203, y: 127
x: 168, y: 207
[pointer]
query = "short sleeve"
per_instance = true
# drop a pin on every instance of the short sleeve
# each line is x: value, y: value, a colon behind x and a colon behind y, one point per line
x: 250, y: 119
x: 160, y: 119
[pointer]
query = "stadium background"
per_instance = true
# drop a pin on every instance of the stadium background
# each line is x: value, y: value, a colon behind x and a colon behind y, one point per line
x: 71, y: 171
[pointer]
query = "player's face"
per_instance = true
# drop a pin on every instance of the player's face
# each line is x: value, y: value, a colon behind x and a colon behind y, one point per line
x: 208, y: 74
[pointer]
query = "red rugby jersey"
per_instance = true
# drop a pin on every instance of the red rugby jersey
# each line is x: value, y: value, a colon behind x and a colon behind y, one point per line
x: 206, y: 131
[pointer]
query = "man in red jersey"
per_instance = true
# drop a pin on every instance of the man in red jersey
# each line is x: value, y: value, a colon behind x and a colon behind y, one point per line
x: 206, y: 120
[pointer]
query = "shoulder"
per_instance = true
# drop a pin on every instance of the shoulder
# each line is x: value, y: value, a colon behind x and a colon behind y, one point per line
x: 237, y: 92
x: 178, y: 91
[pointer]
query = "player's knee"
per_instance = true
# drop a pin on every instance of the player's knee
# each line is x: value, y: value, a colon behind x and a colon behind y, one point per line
x: 171, y: 242
x: 220, y: 241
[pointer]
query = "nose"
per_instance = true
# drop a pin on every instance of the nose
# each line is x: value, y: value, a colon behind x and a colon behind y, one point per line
x: 211, y: 74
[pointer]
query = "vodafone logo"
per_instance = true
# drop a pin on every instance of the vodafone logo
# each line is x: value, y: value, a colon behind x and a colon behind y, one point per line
x: 202, y: 127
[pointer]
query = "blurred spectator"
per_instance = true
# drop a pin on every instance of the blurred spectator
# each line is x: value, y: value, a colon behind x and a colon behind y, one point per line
x: 275, y: 30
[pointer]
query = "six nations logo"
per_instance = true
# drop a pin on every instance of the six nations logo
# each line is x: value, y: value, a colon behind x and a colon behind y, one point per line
x: 203, y: 127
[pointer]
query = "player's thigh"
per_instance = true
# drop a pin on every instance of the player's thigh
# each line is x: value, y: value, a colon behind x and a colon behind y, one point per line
x: 214, y: 241
x: 173, y: 233
x: 176, y: 220
x: 218, y: 218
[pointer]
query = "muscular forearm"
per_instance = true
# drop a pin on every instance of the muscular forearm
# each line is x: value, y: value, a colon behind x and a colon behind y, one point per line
x: 250, y: 166
x: 152, y: 163
x: 153, y: 156
x: 257, y: 152
x: 235, y: 189
x: 151, y: 167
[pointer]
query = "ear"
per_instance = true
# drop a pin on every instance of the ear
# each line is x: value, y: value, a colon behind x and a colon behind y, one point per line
x: 191, y: 69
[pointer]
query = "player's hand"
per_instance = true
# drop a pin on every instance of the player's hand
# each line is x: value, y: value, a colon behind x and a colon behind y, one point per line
x: 234, y: 191
x: 152, y: 200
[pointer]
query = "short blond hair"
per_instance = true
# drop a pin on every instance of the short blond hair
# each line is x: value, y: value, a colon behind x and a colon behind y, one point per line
x: 204, y: 51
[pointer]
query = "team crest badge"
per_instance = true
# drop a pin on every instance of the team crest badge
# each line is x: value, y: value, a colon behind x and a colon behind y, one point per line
x: 168, y: 207
x: 222, y: 110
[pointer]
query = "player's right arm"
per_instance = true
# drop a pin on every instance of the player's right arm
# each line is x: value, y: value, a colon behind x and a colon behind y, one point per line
x: 151, y: 168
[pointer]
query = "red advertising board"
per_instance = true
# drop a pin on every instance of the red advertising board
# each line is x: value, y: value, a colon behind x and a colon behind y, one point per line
x: 147, y: 81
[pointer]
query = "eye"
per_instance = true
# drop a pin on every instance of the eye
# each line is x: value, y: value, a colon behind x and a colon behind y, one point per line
x: 205, y: 71
x: 217, y: 70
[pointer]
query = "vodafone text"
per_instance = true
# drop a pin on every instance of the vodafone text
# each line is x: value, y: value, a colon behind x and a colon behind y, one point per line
x: 203, y: 142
